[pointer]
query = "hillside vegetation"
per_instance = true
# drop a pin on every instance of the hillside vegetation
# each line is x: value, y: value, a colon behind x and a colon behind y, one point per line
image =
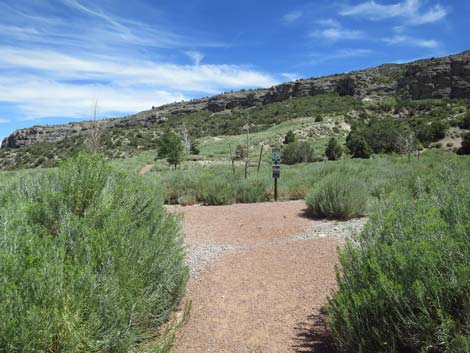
x: 431, y: 121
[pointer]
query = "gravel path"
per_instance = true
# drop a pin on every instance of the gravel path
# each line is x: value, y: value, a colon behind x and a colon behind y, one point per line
x: 260, y: 275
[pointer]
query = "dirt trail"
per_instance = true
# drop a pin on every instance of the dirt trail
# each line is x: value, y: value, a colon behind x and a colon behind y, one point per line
x: 261, y: 275
x: 146, y: 169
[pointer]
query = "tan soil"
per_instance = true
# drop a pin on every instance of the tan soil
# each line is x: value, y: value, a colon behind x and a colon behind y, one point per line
x: 266, y: 293
x: 146, y: 169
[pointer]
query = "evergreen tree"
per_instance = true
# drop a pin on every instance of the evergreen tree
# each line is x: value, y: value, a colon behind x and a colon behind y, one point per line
x: 357, y: 145
x: 171, y: 148
x: 465, y: 124
x: 194, y: 149
x: 465, y: 149
x: 333, y: 150
x: 290, y: 137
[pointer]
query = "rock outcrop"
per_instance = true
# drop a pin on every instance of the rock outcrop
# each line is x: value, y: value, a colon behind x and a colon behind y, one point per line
x: 447, y: 77
x: 438, y: 78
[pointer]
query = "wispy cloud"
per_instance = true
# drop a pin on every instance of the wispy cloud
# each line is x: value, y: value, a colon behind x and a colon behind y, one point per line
x: 195, y: 56
x: 411, y: 10
x: 54, y: 67
x: 412, y: 41
x: 334, y: 31
x: 126, y: 83
x: 4, y: 121
x: 340, y: 54
x: 290, y: 76
x: 292, y: 17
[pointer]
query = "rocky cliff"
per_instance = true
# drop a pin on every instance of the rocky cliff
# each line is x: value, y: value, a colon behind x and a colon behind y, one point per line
x: 447, y: 77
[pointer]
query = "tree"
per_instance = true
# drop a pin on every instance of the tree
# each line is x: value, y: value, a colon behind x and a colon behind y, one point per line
x: 333, y: 150
x: 186, y: 138
x: 298, y: 152
x: 465, y: 124
x: 406, y: 143
x: 290, y: 137
x: 465, y: 149
x: 357, y: 145
x: 93, y: 141
x: 171, y: 148
x: 194, y: 148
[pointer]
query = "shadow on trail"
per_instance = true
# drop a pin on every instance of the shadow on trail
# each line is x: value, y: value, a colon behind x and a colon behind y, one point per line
x: 305, y: 213
x: 311, y: 336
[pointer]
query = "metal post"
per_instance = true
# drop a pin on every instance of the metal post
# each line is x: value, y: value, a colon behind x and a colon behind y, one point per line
x: 275, y: 189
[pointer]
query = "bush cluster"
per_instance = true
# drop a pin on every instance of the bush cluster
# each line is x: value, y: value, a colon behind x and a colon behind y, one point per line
x: 339, y: 196
x: 298, y: 152
x: 404, y: 284
x: 389, y: 135
x: 89, y: 260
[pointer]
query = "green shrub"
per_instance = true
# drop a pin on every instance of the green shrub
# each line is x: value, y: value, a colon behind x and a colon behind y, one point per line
x: 241, y: 152
x: 465, y: 149
x: 218, y: 192
x: 358, y: 146
x: 187, y: 200
x: 89, y: 261
x: 251, y: 191
x: 289, y: 138
x: 333, y: 150
x: 338, y: 197
x: 405, y: 281
x: 298, y: 152
x: 465, y: 123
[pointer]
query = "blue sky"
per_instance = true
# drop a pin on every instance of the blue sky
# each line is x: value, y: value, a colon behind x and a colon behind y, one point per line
x: 59, y: 56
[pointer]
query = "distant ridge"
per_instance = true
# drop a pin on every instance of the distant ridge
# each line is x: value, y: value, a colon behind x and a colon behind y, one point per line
x: 445, y: 77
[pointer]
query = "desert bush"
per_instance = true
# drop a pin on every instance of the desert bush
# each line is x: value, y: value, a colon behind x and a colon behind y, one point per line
x: 404, y: 284
x: 219, y: 192
x: 89, y: 260
x: 298, y: 152
x: 338, y: 196
x: 251, y: 191
x: 187, y: 200
x: 241, y: 152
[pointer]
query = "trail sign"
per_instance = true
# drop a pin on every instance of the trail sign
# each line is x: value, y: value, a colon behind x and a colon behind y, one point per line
x: 276, y: 171
x: 276, y: 155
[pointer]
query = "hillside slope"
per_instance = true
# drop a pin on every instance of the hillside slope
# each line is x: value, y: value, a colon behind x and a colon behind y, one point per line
x: 447, y: 77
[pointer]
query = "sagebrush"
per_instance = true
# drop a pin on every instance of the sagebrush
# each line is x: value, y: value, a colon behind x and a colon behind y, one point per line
x: 89, y: 260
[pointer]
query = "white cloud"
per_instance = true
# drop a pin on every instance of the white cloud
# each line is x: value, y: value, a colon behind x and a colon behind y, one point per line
x: 335, y: 34
x: 347, y: 53
x: 413, y: 42
x: 334, y: 31
x: 290, y: 76
x: 66, y: 87
x: 195, y: 56
x: 4, y: 121
x: 39, y: 98
x: 410, y: 10
x: 292, y: 17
